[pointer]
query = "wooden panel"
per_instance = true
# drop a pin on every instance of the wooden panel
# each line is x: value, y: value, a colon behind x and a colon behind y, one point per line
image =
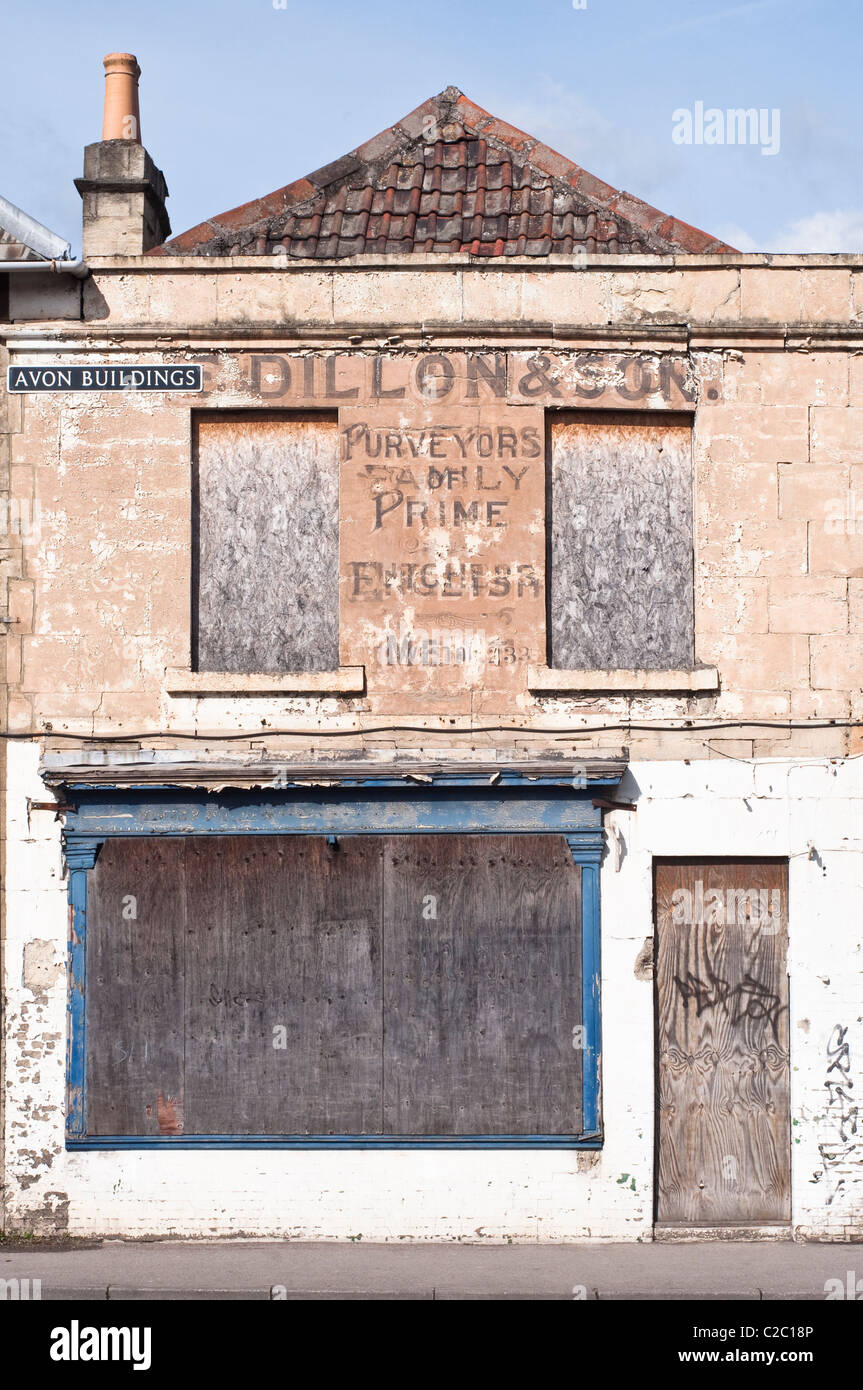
x: 283, y: 932
x: 620, y: 586
x: 267, y: 544
x: 722, y: 1017
x: 481, y: 998
x: 235, y: 986
x: 134, y: 999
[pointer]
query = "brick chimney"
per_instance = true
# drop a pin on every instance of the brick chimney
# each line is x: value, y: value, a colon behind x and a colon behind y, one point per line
x: 123, y: 191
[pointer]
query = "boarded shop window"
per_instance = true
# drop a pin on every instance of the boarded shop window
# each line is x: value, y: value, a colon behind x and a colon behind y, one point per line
x: 620, y: 562
x: 265, y: 517
x: 407, y: 985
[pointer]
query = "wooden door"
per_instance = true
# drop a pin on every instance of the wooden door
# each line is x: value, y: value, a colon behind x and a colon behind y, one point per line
x: 723, y: 1151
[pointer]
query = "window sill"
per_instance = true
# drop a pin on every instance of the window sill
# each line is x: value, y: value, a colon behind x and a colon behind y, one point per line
x: 345, y: 680
x: 334, y: 1141
x: 548, y: 680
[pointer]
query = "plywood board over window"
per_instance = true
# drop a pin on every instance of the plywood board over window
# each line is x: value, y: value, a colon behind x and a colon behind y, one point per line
x: 265, y: 543
x: 482, y: 985
x: 406, y: 985
x: 620, y: 557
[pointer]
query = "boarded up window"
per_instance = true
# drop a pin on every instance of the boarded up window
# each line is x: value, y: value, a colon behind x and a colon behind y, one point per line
x: 266, y: 543
x: 620, y: 586
x: 406, y: 985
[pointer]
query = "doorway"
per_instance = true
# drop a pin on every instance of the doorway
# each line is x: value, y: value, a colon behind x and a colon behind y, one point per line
x: 723, y: 1148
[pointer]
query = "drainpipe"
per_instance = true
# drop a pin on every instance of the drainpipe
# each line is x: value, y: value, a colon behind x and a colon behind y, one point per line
x: 79, y: 269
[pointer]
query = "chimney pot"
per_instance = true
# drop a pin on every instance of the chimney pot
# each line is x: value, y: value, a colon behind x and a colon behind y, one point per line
x: 122, y: 115
x: 122, y: 190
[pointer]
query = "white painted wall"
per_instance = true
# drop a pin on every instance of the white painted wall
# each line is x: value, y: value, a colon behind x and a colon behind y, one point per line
x: 718, y: 807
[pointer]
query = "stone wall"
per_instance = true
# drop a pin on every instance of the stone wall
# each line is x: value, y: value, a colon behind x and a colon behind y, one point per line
x: 762, y: 358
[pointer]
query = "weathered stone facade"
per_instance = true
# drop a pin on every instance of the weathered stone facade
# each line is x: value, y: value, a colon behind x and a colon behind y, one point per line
x: 762, y: 356
x: 443, y: 374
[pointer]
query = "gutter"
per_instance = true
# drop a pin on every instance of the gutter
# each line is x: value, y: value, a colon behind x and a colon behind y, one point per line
x: 78, y: 268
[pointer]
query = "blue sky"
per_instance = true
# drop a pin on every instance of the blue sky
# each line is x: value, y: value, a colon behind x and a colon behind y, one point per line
x: 240, y: 98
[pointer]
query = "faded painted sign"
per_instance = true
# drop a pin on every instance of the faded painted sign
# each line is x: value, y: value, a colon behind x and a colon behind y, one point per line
x: 545, y: 377
x: 442, y: 494
x: 442, y: 542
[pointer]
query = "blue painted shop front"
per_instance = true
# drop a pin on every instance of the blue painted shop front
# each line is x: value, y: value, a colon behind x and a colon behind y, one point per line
x: 506, y: 802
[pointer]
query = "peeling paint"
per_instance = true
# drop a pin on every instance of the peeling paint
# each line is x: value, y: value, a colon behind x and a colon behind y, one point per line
x: 41, y: 969
x: 643, y: 969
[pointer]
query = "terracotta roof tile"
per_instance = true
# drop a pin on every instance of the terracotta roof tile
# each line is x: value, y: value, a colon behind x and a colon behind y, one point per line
x: 447, y: 178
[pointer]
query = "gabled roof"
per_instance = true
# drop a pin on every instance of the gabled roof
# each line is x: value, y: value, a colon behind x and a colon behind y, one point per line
x: 448, y: 178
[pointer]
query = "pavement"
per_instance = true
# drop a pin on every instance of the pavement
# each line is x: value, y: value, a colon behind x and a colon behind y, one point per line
x: 169, y: 1270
